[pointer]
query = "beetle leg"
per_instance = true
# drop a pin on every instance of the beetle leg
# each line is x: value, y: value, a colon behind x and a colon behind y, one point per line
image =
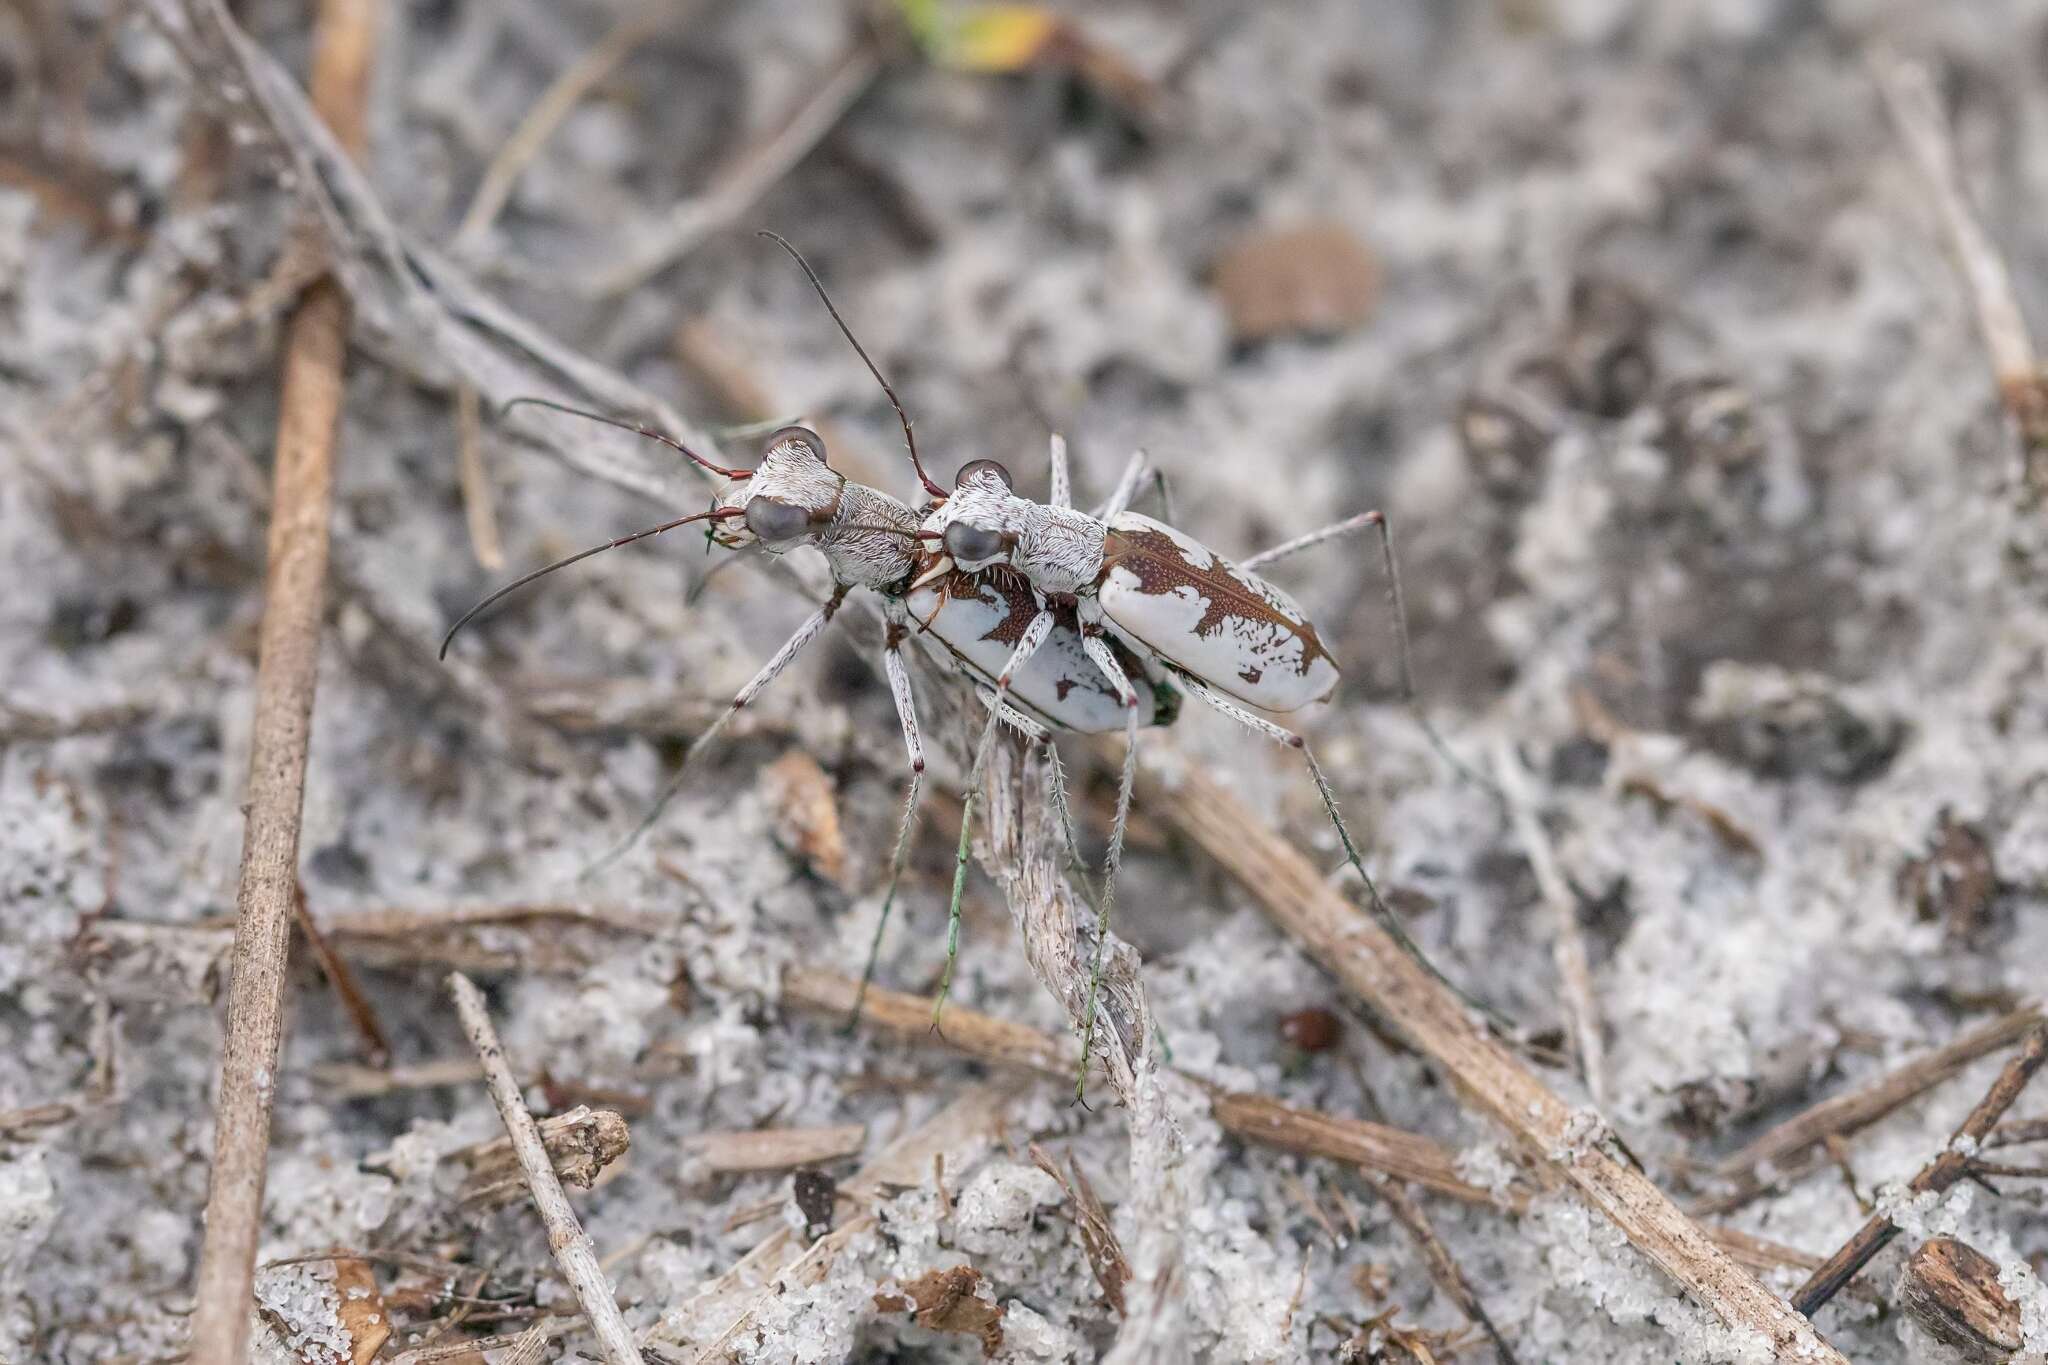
x: 1380, y: 909
x: 1126, y: 488
x: 1398, y: 603
x: 906, y: 711
x: 805, y: 633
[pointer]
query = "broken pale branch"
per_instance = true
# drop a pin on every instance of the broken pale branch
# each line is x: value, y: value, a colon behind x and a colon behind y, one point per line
x: 566, y: 1238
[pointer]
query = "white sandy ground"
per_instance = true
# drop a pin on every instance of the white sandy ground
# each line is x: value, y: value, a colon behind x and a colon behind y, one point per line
x: 1730, y: 164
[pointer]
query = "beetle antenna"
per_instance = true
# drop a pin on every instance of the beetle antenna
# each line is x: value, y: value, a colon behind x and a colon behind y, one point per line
x: 716, y: 514
x: 671, y: 442
x: 909, y: 439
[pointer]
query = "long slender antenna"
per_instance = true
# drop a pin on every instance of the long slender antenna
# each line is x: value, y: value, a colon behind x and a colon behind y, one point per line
x: 716, y: 514
x: 671, y: 442
x: 909, y: 439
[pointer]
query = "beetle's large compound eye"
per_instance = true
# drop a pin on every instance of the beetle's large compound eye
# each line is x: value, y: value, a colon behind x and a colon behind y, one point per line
x: 971, y: 544
x: 775, y: 522
x: 982, y: 469
x: 800, y: 439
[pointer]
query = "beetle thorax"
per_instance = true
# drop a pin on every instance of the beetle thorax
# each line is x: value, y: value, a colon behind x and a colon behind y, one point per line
x: 865, y: 557
x: 1058, y: 548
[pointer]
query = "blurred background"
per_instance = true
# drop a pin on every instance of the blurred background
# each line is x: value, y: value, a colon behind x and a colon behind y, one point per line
x: 1639, y: 321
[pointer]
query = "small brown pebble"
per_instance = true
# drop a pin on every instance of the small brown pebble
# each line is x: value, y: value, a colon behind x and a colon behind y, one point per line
x: 1955, y: 883
x: 1316, y: 278
x: 1312, y: 1030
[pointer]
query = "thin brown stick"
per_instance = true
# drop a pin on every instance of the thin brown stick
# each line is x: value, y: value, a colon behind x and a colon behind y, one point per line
x: 1254, y: 1118
x: 479, y: 504
x: 354, y: 1003
x: 316, y: 341
x: 566, y: 1237
x: 1568, y: 944
x: 1916, y: 111
x: 1571, y: 1143
x: 1443, y: 1267
x: 1868, y: 1103
x: 2013, y: 1132
x: 1945, y: 1170
x: 739, y: 184
x: 555, y: 104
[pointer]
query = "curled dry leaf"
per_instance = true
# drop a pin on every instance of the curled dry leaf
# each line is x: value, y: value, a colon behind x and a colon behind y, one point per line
x: 806, y: 813
x: 949, y: 1301
x: 1098, y: 1238
x: 580, y: 1143
x: 1315, y: 278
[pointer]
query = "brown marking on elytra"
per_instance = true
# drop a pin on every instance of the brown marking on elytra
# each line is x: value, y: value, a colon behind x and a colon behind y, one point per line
x: 1251, y: 675
x: 1157, y: 561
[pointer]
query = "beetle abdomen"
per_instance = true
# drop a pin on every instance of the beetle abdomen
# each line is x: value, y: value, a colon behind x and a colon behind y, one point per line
x: 1231, y: 629
x: 978, y: 618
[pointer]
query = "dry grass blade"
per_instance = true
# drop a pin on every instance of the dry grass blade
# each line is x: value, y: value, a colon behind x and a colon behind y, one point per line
x: 566, y: 1238
x: 309, y: 413
x: 547, y: 113
x: 739, y: 185
x: 1568, y: 947
x: 1945, y: 1170
x: 1916, y: 111
x: 1571, y: 1143
x: 774, y: 1149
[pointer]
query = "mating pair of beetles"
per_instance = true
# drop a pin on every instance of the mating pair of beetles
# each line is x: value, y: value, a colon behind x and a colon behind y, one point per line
x: 1062, y: 619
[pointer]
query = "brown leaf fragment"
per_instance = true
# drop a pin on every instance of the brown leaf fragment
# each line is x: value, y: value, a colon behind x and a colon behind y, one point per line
x: 1316, y: 278
x: 806, y: 813
x: 1954, y: 882
x: 1952, y: 1291
x: 362, y: 1311
x: 949, y: 1301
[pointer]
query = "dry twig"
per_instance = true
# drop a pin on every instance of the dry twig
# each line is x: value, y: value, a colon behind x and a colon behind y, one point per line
x: 1868, y: 1103
x: 316, y: 342
x: 1569, y: 1142
x: 1945, y: 1170
x: 1443, y: 1268
x: 566, y: 1238
x: 1568, y: 944
x: 1916, y: 111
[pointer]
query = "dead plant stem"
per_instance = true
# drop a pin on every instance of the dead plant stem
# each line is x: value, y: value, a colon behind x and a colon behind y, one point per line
x: 309, y: 414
